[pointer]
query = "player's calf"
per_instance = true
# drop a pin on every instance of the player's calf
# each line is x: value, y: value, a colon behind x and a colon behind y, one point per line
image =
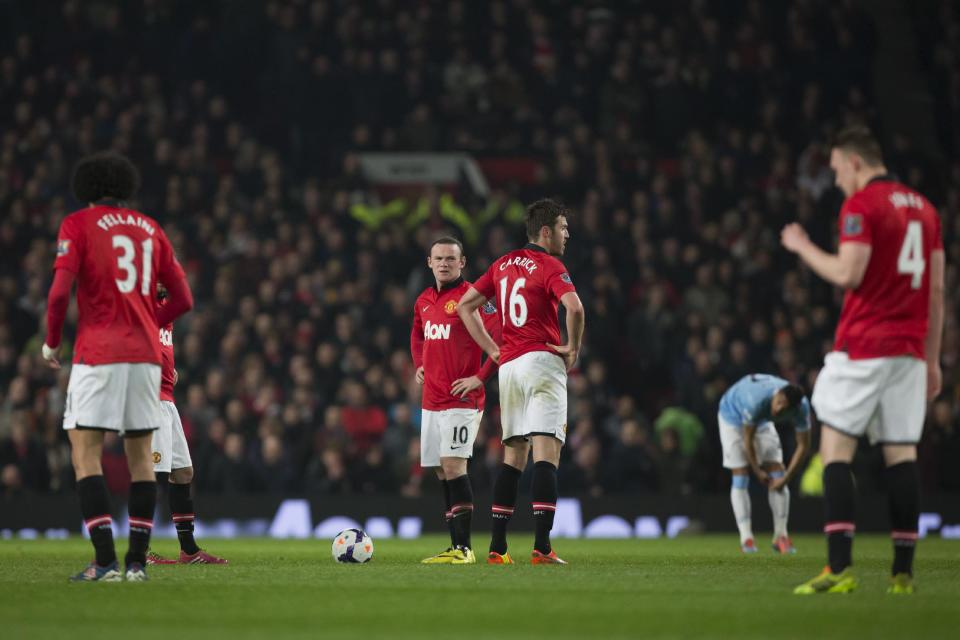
x: 505, y: 490
x: 903, y: 487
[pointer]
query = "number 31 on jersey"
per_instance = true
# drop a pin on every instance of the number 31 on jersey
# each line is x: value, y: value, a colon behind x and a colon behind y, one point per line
x: 126, y: 264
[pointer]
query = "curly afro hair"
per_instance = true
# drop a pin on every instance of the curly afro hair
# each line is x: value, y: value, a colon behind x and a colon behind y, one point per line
x: 105, y: 175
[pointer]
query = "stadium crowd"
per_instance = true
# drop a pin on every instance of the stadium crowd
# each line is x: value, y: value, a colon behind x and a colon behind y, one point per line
x: 672, y: 131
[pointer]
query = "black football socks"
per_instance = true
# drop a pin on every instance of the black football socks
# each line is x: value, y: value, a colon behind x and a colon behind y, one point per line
x: 544, y: 496
x: 903, y: 491
x: 505, y: 491
x: 95, y: 507
x: 143, y: 500
x: 181, y: 511
x: 839, y: 502
x: 461, y: 510
x: 447, y: 516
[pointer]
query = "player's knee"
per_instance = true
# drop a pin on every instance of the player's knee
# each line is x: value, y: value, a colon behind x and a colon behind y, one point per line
x: 181, y: 476
x: 516, y: 456
x: 894, y: 454
x: 441, y: 474
x: 453, y: 467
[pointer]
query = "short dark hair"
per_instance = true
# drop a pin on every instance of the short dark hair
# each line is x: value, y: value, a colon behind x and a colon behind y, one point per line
x: 446, y: 240
x: 860, y: 140
x: 794, y: 394
x: 543, y: 213
x: 106, y: 174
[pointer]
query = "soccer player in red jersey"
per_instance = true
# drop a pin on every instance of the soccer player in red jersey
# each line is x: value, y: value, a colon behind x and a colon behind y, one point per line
x: 171, y: 455
x: 115, y: 255
x: 885, y: 364
x: 448, y: 367
x: 529, y: 285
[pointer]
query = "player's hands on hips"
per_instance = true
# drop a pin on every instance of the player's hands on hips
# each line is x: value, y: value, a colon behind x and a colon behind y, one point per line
x: 52, y: 356
x: 934, y: 380
x: 567, y: 352
x: 463, y: 386
x: 793, y: 237
x: 419, y: 375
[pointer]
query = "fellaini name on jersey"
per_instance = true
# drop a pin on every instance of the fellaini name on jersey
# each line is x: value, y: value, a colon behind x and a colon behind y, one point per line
x: 433, y: 331
x: 524, y: 263
x: 108, y: 220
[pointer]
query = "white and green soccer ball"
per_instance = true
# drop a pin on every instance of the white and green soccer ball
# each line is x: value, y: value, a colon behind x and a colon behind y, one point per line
x: 352, y: 546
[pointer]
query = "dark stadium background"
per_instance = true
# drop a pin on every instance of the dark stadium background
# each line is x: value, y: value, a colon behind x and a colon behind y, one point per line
x: 683, y: 135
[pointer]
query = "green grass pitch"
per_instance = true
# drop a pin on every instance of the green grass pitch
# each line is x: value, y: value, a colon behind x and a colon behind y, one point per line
x: 693, y: 587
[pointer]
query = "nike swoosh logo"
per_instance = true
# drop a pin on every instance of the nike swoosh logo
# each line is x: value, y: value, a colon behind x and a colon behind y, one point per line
x: 455, y: 448
x: 424, y: 309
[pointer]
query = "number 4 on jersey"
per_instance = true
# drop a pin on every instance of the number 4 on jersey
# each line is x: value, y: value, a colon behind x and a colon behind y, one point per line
x: 911, y: 254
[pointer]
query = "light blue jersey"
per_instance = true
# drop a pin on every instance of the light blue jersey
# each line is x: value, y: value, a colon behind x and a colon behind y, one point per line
x: 748, y: 402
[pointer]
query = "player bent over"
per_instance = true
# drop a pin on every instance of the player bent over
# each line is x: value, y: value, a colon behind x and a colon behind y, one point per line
x: 115, y: 255
x: 750, y: 442
x: 530, y: 284
x: 172, y: 455
x: 885, y: 364
x: 448, y: 366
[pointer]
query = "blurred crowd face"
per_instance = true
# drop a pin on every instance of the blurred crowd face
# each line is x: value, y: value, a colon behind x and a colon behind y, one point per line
x: 446, y: 262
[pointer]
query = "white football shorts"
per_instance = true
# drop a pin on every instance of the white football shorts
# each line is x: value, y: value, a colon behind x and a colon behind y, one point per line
x: 122, y: 397
x: 447, y: 434
x: 766, y: 443
x: 533, y: 396
x: 170, y: 450
x: 884, y: 398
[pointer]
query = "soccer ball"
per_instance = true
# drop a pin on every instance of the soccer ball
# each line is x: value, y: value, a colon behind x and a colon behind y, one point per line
x: 352, y: 545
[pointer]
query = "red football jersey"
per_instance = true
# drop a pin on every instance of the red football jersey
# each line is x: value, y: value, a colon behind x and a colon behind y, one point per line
x: 887, y: 314
x: 527, y: 284
x: 118, y: 255
x: 444, y: 348
x: 167, y: 370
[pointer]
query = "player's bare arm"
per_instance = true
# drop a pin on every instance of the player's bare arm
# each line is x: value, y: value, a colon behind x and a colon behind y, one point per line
x: 749, y: 430
x: 844, y: 269
x: 935, y: 324
x: 799, y: 455
x: 467, y: 309
x: 576, y: 321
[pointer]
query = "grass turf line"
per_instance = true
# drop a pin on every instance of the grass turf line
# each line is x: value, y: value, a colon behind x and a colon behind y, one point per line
x: 695, y: 587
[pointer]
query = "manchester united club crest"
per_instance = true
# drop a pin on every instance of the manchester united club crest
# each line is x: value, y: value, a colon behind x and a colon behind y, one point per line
x: 450, y: 307
x: 156, y: 457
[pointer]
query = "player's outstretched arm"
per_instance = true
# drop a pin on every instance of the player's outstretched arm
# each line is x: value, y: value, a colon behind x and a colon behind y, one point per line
x: 576, y: 321
x: 935, y: 324
x: 58, y: 299
x: 845, y: 269
x: 466, y: 308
